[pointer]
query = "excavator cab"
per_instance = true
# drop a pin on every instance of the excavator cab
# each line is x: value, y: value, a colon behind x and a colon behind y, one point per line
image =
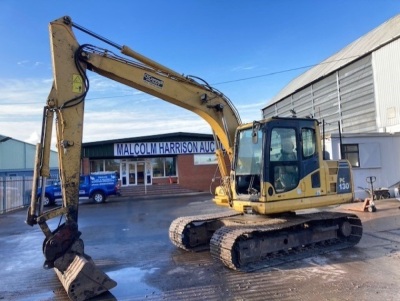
x: 278, y: 167
x: 281, y: 152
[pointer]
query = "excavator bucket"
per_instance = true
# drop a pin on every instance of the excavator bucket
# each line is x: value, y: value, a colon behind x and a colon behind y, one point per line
x: 64, y: 251
x: 82, y: 280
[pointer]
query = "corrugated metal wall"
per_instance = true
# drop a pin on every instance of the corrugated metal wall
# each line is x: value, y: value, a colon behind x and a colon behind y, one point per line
x: 386, y: 64
x: 283, y: 108
x: 357, y: 98
x: 346, y: 96
x: 326, y: 105
x: 303, y: 102
x: 16, y: 155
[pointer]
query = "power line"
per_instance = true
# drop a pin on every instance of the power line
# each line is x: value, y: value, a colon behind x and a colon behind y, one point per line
x: 215, y: 84
x: 262, y: 75
x: 283, y: 71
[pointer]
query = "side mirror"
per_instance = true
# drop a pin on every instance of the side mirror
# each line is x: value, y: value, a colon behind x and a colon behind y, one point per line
x: 254, y: 133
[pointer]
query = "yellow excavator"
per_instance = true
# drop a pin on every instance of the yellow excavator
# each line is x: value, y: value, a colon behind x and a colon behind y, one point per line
x: 270, y: 170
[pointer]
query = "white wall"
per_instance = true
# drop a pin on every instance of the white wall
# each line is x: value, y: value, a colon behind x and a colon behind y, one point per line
x: 386, y: 66
x: 379, y: 156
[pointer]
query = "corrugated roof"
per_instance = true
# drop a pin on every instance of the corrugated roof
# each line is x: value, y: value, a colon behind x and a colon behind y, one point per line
x: 6, y: 138
x: 364, y: 135
x: 380, y: 36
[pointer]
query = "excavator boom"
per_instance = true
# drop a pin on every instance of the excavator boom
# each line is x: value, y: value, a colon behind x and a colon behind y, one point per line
x: 63, y: 248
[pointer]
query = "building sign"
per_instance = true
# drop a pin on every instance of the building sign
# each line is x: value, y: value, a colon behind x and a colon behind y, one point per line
x: 163, y: 148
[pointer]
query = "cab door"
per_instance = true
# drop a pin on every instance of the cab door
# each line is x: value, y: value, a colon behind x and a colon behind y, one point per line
x: 284, y: 158
x: 310, y: 165
x: 293, y: 166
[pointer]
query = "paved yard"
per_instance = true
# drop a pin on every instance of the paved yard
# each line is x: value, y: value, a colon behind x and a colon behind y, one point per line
x: 128, y: 239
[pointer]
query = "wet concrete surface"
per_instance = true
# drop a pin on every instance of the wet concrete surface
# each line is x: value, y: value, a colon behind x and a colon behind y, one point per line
x: 128, y: 239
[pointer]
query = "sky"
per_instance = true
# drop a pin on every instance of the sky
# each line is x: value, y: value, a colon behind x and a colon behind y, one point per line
x: 248, y: 50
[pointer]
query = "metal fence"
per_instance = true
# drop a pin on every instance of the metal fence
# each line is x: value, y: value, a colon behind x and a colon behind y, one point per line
x: 15, y: 192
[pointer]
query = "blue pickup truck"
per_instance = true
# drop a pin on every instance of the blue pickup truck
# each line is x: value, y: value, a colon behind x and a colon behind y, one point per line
x: 97, y: 186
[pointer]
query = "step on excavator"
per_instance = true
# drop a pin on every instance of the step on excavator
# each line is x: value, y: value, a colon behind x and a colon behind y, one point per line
x: 270, y: 170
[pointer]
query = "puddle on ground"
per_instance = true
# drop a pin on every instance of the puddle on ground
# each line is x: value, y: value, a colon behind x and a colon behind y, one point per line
x: 130, y: 282
x: 42, y: 296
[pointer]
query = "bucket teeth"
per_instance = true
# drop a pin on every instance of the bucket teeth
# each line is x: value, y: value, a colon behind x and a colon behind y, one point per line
x: 82, y: 280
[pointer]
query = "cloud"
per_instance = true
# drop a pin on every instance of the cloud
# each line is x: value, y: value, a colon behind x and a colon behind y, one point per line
x: 135, y: 123
x: 28, y: 64
x: 33, y: 138
x: 112, y: 111
x: 243, y: 67
x: 21, y: 106
x: 250, y: 112
x: 22, y: 63
x: 111, y: 115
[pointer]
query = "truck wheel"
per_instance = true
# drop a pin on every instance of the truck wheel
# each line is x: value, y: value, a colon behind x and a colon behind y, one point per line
x: 98, y: 197
x: 47, y: 201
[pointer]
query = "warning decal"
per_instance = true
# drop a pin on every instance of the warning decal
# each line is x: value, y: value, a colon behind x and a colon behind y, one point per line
x: 77, y: 83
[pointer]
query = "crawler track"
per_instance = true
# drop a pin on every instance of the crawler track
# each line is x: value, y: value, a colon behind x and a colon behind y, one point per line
x: 193, y: 233
x: 248, y: 244
x: 248, y: 248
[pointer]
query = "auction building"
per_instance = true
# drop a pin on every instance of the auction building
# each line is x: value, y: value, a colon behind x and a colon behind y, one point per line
x: 187, y: 159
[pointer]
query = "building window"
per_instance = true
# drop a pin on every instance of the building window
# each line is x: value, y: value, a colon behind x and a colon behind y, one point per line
x: 170, y: 167
x: 351, y: 153
x: 158, y: 167
x: 205, y: 159
x: 96, y: 165
x: 105, y: 165
x: 112, y: 165
x: 164, y: 167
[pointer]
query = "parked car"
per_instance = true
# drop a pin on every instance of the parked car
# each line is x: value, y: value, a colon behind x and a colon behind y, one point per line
x: 97, y: 186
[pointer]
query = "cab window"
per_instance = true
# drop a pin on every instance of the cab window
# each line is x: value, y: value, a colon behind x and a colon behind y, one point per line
x: 283, y: 144
x: 309, y: 147
x: 283, y: 157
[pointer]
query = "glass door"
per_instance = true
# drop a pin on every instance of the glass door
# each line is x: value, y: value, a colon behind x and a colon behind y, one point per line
x: 123, y: 173
x: 140, y: 173
x: 149, y: 172
x: 132, y: 172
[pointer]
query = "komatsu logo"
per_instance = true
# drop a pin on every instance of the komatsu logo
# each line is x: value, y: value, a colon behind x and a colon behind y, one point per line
x: 153, y: 81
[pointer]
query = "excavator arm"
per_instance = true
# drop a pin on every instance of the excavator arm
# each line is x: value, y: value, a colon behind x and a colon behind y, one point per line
x: 62, y: 247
